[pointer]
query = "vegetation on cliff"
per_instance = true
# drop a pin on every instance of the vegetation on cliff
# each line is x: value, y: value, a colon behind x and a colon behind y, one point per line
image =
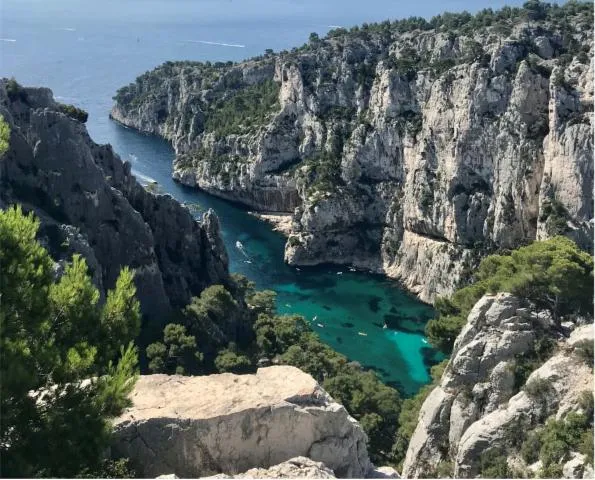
x: 4, y: 135
x: 67, y: 363
x: 554, y: 274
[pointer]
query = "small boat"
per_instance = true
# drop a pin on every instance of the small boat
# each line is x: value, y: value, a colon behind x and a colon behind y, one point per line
x: 287, y: 305
x: 315, y: 317
x: 339, y: 273
x: 424, y: 340
x: 362, y: 334
x: 385, y: 326
x: 298, y: 269
x: 352, y: 269
x: 247, y: 261
x: 239, y: 245
x: 320, y: 325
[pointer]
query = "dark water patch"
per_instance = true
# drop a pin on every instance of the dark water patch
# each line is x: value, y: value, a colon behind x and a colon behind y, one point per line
x: 339, y: 340
x: 347, y: 324
x: 326, y: 307
x: 379, y: 325
x: 374, y: 303
x: 431, y: 357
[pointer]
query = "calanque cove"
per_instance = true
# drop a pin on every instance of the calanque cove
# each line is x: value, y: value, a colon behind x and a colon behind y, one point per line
x: 453, y: 155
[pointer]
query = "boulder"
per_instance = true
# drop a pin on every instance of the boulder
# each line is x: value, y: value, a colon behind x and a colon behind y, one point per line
x: 201, y: 426
x: 299, y: 467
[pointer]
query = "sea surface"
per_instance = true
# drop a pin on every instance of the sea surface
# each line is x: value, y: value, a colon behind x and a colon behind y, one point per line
x: 86, y: 49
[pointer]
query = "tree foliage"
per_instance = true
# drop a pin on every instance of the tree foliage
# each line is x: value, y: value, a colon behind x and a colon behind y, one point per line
x: 63, y: 373
x: 4, y: 136
x: 230, y: 360
x: 554, y: 274
x: 176, y: 354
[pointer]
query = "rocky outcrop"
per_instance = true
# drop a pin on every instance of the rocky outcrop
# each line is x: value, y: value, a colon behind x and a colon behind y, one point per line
x: 200, y: 426
x: 411, y: 149
x: 89, y: 203
x: 299, y: 467
x: 302, y: 467
x: 479, y: 405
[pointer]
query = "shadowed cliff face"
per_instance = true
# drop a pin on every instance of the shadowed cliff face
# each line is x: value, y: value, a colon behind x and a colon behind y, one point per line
x: 410, y: 151
x: 90, y: 203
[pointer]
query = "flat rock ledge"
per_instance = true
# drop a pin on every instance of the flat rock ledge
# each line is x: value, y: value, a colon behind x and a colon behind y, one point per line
x: 228, y: 424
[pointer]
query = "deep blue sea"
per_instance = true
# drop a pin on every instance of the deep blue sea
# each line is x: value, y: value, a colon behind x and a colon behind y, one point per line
x: 86, y: 49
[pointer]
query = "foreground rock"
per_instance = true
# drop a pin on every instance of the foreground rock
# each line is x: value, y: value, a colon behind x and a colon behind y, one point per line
x: 90, y: 203
x: 478, y: 406
x: 409, y: 151
x: 299, y: 467
x: 201, y: 426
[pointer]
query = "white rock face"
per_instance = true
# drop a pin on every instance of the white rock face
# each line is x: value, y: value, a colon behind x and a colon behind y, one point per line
x: 200, y: 426
x: 430, y: 171
x: 476, y: 406
x: 299, y: 467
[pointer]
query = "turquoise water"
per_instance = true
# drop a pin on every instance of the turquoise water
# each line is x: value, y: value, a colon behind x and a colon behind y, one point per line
x: 347, y: 309
x: 85, y: 50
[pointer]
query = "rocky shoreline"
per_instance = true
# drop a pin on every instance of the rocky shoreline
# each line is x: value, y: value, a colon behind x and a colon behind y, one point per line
x: 281, y: 222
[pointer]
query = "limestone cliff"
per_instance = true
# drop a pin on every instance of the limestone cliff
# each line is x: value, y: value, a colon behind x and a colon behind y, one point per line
x: 89, y: 203
x: 411, y: 148
x: 485, y: 406
x: 200, y: 426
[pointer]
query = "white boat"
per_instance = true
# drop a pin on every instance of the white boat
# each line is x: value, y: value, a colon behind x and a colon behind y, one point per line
x: 315, y: 317
x: 239, y: 245
x: 339, y: 273
x: 362, y: 334
x: 424, y: 340
x: 320, y: 325
x: 352, y: 269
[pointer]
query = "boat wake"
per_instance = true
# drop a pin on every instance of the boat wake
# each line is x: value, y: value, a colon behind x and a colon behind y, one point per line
x: 240, y: 247
x: 205, y: 42
x: 144, y: 179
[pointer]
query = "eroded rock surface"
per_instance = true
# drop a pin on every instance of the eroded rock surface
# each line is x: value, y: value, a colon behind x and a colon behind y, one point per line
x: 90, y: 203
x: 201, y: 426
x: 478, y: 406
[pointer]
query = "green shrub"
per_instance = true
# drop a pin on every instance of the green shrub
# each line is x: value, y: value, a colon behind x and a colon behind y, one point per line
x: 245, y: 110
x: 4, y: 136
x: 538, y: 387
x: 74, y: 112
x: 15, y: 91
x: 494, y: 465
x: 176, y: 354
x: 229, y: 360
